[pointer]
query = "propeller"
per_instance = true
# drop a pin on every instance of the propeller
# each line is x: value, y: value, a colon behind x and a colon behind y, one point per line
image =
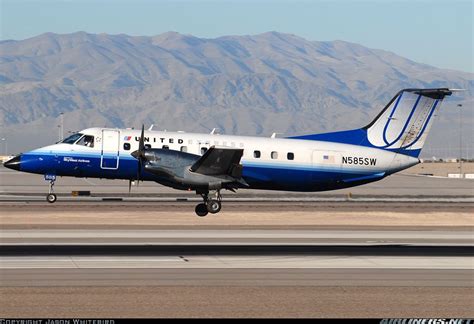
x: 139, y: 155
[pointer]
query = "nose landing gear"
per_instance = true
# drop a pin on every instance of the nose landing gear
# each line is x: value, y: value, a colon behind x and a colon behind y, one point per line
x: 211, y: 204
x: 51, y: 197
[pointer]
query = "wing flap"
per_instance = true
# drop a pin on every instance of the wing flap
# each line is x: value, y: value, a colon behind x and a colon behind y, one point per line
x: 220, y: 161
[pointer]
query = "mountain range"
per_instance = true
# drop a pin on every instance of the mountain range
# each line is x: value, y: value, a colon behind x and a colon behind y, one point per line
x: 248, y: 85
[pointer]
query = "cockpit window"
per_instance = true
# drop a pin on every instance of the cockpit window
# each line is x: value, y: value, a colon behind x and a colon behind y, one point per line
x: 72, y: 139
x: 86, y: 140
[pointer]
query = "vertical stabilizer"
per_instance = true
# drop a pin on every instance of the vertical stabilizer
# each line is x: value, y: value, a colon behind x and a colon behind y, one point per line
x: 404, y: 123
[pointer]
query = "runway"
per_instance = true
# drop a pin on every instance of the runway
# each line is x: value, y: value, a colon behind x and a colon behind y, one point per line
x: 348, y: 215
x: 301, y: 257
x: 243, y: 257
x: 235, y: 237
x: 240, y: 277
x: 237, y: 280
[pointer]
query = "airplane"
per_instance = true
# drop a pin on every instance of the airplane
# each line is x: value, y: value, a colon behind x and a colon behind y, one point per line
x: 209, y: 163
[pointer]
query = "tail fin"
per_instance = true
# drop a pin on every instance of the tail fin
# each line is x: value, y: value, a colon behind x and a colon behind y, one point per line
x: 404, y: 123
x: 402, y: 126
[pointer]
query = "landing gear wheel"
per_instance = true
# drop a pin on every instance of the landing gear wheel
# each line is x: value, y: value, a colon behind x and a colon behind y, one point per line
x: 201, y: 210
x: 51, y: 198
x: 213, y: 206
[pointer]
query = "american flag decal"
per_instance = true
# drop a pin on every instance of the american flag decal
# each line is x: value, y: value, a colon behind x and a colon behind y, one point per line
x: 328, y: 158
x: 127, y: 138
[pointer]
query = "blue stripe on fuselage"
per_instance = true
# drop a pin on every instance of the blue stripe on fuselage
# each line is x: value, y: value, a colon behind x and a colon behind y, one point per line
x: 276, y: 176
x: 78, y: 165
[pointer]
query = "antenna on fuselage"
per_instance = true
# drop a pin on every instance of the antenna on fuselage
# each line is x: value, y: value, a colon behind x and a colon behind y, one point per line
x: 274, y: 135
x: 151, y: 127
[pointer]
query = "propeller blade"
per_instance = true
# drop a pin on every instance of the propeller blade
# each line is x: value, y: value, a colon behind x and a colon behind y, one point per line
x: 141, y: 143
x: 141, y: 153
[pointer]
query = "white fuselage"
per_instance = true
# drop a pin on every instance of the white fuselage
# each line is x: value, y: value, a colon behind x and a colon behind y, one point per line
x: 268, y: 163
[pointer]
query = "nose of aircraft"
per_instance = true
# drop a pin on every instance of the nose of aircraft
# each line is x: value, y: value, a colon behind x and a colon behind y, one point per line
x: 14, y: 163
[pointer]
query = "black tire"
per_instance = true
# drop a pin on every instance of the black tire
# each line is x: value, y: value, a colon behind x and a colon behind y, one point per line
x: 201, y: 210
x: 51, y: 198
x: 213, y: 206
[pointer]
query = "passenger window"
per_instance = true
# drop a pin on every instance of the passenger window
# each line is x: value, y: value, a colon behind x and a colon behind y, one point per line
x: 274, y: 155
x: 126, y: 146
x: 148, y: 146
x: 165, y: 147
x: 203, y: 150
x: 290, y: 156
x: 86, y: 140
x: 184, y: 149
x: 256, y: 154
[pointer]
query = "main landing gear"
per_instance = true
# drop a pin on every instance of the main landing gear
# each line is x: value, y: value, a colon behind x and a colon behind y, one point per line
x: 210, y: 204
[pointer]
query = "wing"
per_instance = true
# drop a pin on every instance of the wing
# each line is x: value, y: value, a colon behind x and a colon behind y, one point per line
x: 220, y: 161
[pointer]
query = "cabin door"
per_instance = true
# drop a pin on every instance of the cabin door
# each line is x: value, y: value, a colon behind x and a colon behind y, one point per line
x: 109, y: 158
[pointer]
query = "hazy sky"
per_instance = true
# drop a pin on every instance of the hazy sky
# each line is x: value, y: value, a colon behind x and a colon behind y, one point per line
x: 434, y: 32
